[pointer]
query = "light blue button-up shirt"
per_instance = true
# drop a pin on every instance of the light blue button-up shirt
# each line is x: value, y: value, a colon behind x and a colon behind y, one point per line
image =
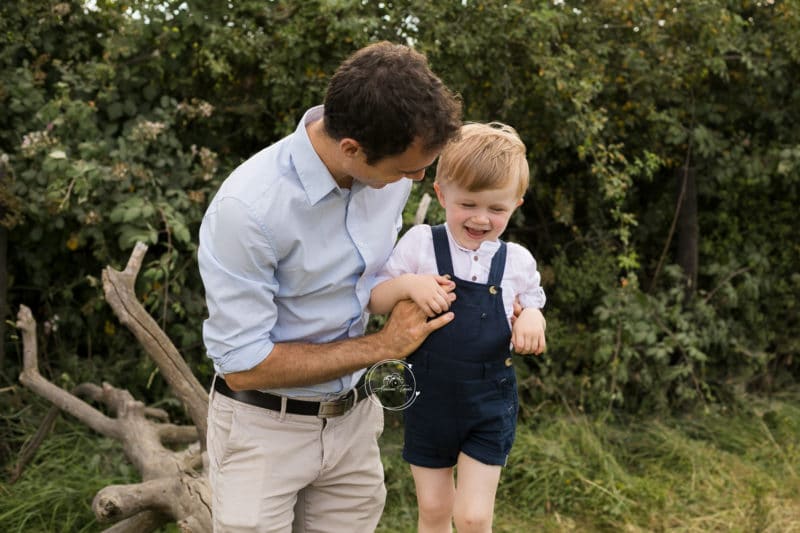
x: 287, y: 255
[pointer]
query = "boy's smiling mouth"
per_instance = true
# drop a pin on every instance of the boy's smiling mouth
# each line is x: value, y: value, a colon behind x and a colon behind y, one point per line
x: 476, y: 233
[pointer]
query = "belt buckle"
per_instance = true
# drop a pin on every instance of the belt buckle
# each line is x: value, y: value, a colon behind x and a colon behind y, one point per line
x: 336, y: 407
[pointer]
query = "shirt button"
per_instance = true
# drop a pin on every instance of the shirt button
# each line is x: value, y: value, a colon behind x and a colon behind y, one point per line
x: 474, y: 278
x: 475, y: 258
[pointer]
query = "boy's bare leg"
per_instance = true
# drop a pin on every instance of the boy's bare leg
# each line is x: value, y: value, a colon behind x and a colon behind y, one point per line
x: 474, y: 503
x: 436, y: 494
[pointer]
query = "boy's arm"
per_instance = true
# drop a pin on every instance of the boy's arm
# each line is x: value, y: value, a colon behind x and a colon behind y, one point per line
x: 527, y: 332
x: 386, y: 294
x: 432, y: 293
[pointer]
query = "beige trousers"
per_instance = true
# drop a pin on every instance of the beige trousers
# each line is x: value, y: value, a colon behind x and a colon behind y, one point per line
x: 294, y: 473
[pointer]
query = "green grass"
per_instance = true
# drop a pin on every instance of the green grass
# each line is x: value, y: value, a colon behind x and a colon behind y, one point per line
x: 726, y: 470
x: 56, y: 489
x: 731, y: 470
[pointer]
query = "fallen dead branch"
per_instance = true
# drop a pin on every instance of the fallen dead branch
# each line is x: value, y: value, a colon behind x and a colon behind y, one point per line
x: 174, y: 486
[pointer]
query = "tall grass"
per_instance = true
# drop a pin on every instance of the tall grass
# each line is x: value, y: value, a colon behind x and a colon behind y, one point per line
x: 725, y: 470
x: 731, y: 470
x: 54, y: 493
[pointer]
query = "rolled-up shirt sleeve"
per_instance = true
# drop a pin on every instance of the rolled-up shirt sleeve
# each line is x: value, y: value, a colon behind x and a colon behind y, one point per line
x: 535, y: 297
x: 237, y: 264
x: 527, y: 280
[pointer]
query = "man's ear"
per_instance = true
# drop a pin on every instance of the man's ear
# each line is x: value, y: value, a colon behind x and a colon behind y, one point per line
x: 349, y: 147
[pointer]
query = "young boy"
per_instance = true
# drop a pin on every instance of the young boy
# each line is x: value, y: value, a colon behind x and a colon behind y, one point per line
x: 465, y: 414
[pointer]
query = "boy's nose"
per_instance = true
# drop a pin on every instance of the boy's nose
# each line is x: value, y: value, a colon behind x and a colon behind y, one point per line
x: 481, y: 220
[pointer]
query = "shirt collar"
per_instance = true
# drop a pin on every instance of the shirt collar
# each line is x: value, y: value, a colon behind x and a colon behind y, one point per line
x: 312, y: 172
x: 486, y: 247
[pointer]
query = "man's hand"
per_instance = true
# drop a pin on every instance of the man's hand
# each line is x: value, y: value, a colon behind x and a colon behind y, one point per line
x: 408, y: 326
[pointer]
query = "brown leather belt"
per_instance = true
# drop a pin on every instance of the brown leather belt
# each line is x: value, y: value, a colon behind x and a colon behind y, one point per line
x: 293, y: 406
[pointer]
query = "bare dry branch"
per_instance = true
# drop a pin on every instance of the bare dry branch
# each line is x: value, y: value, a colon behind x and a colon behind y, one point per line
x: 120, y: 295
x: 62, y: 399
x: 174, y: 485
x: 172, y: 434
x: 144, y: 521
x: 168, y: 495
x: 422, y: 209
x: 123, y: 501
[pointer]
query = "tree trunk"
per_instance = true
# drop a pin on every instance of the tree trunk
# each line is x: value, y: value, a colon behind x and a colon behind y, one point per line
x: 3, y: 290
x: 3, y: 272
x: 688, y: 238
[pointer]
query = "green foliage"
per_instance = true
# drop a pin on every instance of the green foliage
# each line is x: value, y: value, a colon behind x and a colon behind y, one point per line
x: 122, y: 120
x: 614, y: 100
x: 654, y: 349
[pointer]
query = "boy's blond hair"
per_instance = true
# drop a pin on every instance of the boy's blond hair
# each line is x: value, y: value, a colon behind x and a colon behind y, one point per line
x: 484, y: 156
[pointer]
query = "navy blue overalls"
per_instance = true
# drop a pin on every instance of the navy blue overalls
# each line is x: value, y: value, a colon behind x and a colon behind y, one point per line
x: 467, y: 398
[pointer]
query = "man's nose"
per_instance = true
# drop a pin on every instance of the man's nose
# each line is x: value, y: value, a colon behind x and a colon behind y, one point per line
x: 416, y: 176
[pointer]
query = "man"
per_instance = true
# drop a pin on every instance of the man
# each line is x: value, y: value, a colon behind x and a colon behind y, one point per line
x: 289, y: 250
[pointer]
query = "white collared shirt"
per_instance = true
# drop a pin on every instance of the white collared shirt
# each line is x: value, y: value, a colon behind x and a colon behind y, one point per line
x: 414, y: 254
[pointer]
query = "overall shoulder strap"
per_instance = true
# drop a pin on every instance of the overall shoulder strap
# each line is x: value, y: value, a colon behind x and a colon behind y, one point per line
x: 441, y: 247
x: 498, y: 265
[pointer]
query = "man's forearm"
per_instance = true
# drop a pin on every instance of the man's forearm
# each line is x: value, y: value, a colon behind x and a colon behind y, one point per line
x: 298, y: 364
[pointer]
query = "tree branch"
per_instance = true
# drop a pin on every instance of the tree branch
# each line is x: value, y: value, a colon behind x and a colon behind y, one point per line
x: 168, y: 495
x: 120, y: 295
x: 144, y: 521
x: 681, y: 196
x: 422, y: 209
x: 174, y: 485
x: 172, y: 434
x: 724, y: 281
x: 65, y: 401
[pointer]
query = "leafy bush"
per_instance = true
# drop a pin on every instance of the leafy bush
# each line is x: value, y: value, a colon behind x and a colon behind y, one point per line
x: 122, y: 120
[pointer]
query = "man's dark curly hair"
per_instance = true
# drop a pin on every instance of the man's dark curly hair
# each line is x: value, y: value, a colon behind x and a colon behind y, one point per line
x: 384, y: 96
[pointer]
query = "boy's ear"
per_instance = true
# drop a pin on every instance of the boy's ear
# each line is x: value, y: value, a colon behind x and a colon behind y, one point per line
x: 521, y: 200
x: 439, y: 193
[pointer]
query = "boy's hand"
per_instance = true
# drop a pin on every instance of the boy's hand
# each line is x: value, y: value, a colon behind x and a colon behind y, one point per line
x: 408, y: 327
x: 433, y: 294
x: 517, y: 310
x: 527, y: 332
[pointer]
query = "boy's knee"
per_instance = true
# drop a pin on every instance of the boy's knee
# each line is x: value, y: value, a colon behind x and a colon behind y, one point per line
x: 435, y: 509
x: 473, y: 521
